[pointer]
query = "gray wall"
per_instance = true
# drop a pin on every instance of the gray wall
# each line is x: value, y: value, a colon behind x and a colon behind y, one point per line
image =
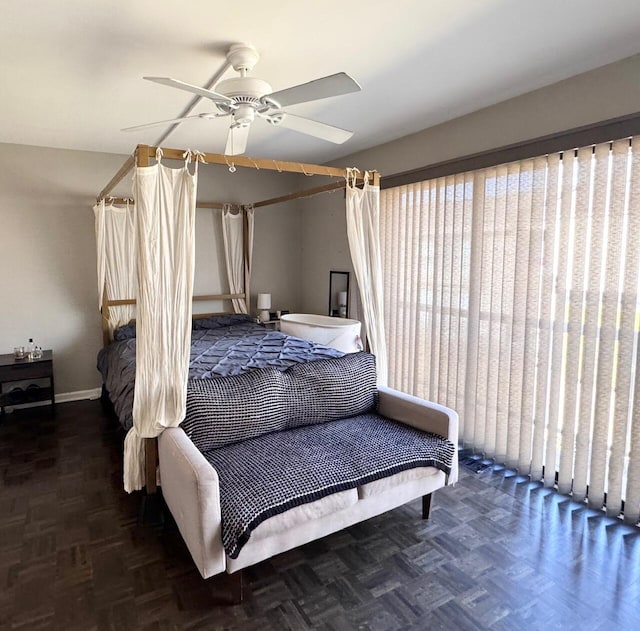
x: 607, y: 92
x: 47, y: 249
x: 277, y: 248
x: 47, y: 246
x: 324, y: 248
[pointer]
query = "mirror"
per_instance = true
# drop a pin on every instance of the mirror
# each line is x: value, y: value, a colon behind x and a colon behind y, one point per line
x: 339, y: 294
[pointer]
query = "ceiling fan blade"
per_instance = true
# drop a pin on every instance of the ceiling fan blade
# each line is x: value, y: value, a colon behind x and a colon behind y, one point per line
x: 333, y: 85
x: 160, y: 123
x: 237, y: 140
x: 181, y: 85
x: 314, y: 128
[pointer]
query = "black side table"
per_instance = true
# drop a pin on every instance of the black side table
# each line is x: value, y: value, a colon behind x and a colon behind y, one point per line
x: 12, y: 369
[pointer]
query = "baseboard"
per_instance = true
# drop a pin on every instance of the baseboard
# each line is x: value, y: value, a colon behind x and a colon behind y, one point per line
x: 78, y: 395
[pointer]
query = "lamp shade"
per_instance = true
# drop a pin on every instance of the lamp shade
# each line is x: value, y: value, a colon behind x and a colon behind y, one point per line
x: 264, y: 301
x: 342, y: 298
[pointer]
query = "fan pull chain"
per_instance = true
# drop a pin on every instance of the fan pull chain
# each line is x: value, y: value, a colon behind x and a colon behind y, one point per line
x: 232, y: 168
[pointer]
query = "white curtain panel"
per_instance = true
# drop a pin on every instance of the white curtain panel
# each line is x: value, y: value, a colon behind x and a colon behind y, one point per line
x: 250, y: 212
x: 363, y: 217
x: 165, y: 224
x: 233, y: 238
x: 115, y: 254
x: 511, y: 295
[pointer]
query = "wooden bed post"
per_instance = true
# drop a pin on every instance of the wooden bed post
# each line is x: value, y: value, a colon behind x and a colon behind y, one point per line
x: 151, y: 464
x: 142, y: 156
x: 106, y: 338
x: 150, y: 444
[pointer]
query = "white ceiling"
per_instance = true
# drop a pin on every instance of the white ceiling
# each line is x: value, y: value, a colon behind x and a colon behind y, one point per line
x: 70, y: 70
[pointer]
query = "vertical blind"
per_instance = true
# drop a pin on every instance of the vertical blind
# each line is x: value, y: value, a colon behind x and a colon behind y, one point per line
x: 511, y: 295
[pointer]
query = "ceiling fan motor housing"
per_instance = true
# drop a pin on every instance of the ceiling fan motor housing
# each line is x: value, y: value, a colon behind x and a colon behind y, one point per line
x: 244, y: 86
x: 242, y: 57
x: 247, y: 93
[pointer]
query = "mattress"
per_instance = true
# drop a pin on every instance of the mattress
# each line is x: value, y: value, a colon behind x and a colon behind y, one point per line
x: 227, y: 349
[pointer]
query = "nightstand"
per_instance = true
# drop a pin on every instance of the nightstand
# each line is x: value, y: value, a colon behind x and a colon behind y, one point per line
x: 272, y: 324
x: 12, y: 369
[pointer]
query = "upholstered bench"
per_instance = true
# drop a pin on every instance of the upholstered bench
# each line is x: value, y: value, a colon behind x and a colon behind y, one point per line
x: 270, y: 460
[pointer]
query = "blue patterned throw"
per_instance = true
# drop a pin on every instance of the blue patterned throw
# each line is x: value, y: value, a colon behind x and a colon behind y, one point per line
x: 267, y: 475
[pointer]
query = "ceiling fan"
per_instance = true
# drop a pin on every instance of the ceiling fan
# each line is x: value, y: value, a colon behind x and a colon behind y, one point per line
x: 244, y: 98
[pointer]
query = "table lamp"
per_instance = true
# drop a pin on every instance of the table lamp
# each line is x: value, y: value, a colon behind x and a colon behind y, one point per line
x: 264, y: 304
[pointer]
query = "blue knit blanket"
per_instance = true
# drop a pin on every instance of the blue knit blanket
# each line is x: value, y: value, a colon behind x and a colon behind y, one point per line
x: 267, y: 475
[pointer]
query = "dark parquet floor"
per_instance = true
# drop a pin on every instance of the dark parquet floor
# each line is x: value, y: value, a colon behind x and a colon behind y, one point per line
x: 498, y: 553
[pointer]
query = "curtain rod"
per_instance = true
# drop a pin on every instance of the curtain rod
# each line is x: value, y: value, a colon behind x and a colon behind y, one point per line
x: 327, y: 188
x: 115, y: 180
x: 583, y: 136
x: 195, y: 298
x: 144, y: 152
x: 310, y: 192
x: 334, y: 186
x: 214, y: 205
x: 245, y: 161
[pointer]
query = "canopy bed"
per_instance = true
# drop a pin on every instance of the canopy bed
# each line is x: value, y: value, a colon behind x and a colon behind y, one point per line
x: 139, y: 162
x: 229, y: 426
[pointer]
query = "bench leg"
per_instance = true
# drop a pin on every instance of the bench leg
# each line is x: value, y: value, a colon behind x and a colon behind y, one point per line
x: 236, y: 587
x: 151, y: 464
x: 426, y: 506
x: 152, y: 509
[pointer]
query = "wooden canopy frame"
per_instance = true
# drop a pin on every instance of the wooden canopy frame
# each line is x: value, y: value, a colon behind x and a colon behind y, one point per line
x: 141, y: 157
x: 144, y: 153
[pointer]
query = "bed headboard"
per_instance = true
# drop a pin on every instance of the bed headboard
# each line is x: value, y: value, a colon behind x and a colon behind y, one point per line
x: 106, y: 303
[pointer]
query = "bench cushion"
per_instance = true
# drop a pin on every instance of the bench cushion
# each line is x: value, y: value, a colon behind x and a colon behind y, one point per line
x: 298, y: 515
x: 385, y: 484
x: 227, y: 410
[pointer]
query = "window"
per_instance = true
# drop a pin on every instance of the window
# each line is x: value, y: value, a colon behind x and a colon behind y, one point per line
x: 511, y: 295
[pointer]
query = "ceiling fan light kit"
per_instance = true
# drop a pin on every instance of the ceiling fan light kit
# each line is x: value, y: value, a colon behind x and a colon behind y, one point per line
x: 244, y: 98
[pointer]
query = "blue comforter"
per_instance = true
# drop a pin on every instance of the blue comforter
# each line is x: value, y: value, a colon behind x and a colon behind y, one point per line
x: 218, y: 352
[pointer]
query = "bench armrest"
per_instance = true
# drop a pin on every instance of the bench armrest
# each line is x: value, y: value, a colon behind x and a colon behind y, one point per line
x: 191, y: 489
x: 423, y: 415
